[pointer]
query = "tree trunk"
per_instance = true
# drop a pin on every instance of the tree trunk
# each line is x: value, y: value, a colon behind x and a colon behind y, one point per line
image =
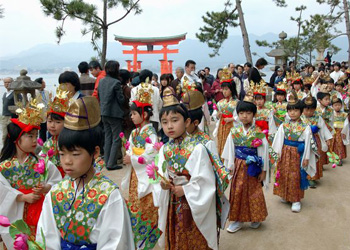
x: 104, y: 35
x: 246, y: 45
x: 297, y: 45
x: 347, y: 23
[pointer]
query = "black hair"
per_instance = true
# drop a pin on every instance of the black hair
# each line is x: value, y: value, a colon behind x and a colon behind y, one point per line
x: 207, y: 68
x: 125, y: 76
x: 299, y: 81
x: 155, y: 76
x: 95, y: 65
x: 290, y: 63
x: 259, y: 96
x: 196, y: 115
x: 165, y: 77
x: 276, y: 68
x: 171, y: 77
x: 339, y: 83
x: 83, y: 67
x: 232, y: 86
x: 188, y: 62
x: 338, y: 100
x: 261, y: 62
x: 307, y: 86
x: 178, y: 108
x: 86, y: 139
x: 217, y: 73
x: 112, y: 69
x: 337, y: 64
x: 279, y: 92
x: 243, y: 106
x: 248, y: 64
x: 239, y: 66
x: 39, y: 80
x: 147, y: 109
x: 326, y: 81
x: 321, y: 95
x: 71, y: 77
x: 55, y: 117
x: 311, y: 106
x: 144, y: 74
x: 299, y: 105
x: 9, y: 148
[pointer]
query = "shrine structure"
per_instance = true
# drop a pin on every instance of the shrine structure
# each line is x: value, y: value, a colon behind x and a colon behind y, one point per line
x: 166, y: 66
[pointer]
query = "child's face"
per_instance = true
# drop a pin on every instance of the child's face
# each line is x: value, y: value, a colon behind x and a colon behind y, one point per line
x: 77, y: 162
x: 325, y: 101
x: 28, y: 141
x: 297, y: 86
x: 174, y: 125
x: 54, y: 126
x: 260, y: 102
x: 280, y: 98
x: 164, y: 83
x: 309, y: 112
x: 294, y: 114
x: 246, y: 117
x: 330, y: 86
x: 226, y: 92
x: 136, y: 117
x: 339, y: 88
x: 337, y: 106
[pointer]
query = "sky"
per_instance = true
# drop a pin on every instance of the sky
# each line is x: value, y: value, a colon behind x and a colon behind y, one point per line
x: 25, y: 25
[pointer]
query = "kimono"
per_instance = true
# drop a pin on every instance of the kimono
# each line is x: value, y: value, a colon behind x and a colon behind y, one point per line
x: 293, y: 144
x: 227, y: 107
x: 301, y: 95
x: 341, y: 126
x: 188, y: 222
x: 15, y: 179
x: 279, y: 116
x: 327, y: 115
x: 94, y: 217
x: 321, y: 134
x: 141, y: 201
x: 247, y: 201
x: 262, y: 118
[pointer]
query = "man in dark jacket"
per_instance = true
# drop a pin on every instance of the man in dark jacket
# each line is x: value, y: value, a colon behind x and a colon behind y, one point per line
x: 254, y: 74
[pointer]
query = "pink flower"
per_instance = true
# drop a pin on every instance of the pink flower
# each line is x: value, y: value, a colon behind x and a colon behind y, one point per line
x: 127, y: 145
x: 21, y: 242
x: 121, y: 135
x: 4, y: 221
x: 158, y: 145
x: 334, y: 165
x: 40, y: 167
x: 148, y: 140
x: 50, y: 153
x: 151, y: 170
x: 141, y: 160
x: 43, y: 155
x: 278, y: 174
x: 344, y: 96
x: 210, y: 102
x: 265, y: 131
x: 276, y: 184
x: 214, y: 107
x: 256, y: 142
x: 40, y: 142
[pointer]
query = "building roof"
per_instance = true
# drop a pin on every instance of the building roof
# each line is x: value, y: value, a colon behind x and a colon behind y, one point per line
x: 149, y: 39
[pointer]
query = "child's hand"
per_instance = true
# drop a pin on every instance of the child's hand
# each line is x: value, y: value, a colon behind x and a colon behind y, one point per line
x: 29, y: 198
x: 343, y: 136
x: 227, y: 120
x: 42, y: 188
x: 218, y: 115
x: 127, y: 159
x: 305, y: 163
x: 178, y: 191
x: 328, y: 143
x: 262, y: 176
x: 165, y: 186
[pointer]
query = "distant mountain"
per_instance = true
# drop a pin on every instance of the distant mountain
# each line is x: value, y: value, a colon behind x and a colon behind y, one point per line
x: 53, y: 57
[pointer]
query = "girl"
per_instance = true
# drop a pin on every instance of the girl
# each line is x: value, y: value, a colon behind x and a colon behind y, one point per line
x: 216, y: 87
x: 278, y: 108
x: 263, y: 115
x: 164, y: 83
x: 86, y: 210
x: 297, y: 86
x: 22, y: 188
x: 293, y: 145
x: 246, y: 196
x: 143, y: 213
x: 187, y: 214
x: 226, y: 109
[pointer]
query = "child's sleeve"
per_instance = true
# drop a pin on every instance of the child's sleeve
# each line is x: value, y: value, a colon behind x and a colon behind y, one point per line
x: 278, y: 140
x: 54, y: 176
x: 346, y: 132
x: 228, y: 154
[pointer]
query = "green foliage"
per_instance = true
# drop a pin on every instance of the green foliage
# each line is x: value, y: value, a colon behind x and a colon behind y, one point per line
x: 19, y: 227
x: 280, y: 3
x: 1, y: 11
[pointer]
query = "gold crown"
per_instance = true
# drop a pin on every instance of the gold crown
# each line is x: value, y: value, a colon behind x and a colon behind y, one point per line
x: 193, y: 100
x: 226, y: 75
x: 249, y: 97
x: 187, y: 85
x: 293, y: 98
x: 169, y: 98
x: 258, y: 88
x: 283, y: 86
x: 347, y: 71
x: 32, y: 114
x: 342, y: 79
x: 308, y: 80
x: 292, y: 76
x: 334, y: 98
x: 308, y: 100
x: 326, y: 78
x: 324, y: 88
x: 60, y: 103
x: 144, y: 93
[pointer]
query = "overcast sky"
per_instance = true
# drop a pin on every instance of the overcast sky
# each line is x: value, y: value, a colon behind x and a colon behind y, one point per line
x: 25, y: 25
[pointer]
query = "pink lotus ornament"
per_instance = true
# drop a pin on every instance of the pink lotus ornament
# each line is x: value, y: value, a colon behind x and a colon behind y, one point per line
x: 4, y: 221
x: 210, y: 102
x: 278, y: 174
x: 40, y: 167
x: 215, y: 107
x: 266, y: 132
x: 21, y: 242
x: 151, y: 170
x: 148, y: 140
x: 334, y: 165
x: 50, y: 153
x: 277, y: 184
x: 141, y: 160
x: 256, y: 142
x: 40, y: 142
x: 158, y: 145
x: 127, y: 145
x: 121, y: 135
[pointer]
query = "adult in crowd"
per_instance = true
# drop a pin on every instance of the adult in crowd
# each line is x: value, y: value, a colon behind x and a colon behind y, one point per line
x: 96, y: 70
x: 205, y: 85
x: 254, y: 74
x: 45, y: 98
x: 7, y: 100
x: 155, y: 80
x: 216, y: 88
x: 337, y: 73
x: 246, y: 70
x: 110, y: 94
x: 72, y: 82
x: 232, y: 68
x: 128, y: 125
x: 279, y: 77
x: 164, y: 83
x: 209, y: 77
x: 190, y: 72
x: 87, y: 83
x: 176, y: 84
x: 239, y: 75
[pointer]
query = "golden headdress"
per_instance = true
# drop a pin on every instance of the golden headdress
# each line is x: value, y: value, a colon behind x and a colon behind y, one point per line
x: 308, y: 80
x: 249, y: 97
x: 259, y: 88
x: 326, y: 78
x: 191, y: 97
x: 342, y: 79
x: 144, y: 94
x: 226, y: 75
x: 308, y: 100
x: 335, y: 99
x: 83, y: 114
x: 293, y: 76
x: 60, y: 104
x: 293, y: 98
x: 187, y: 85
x: 347, y: 71
x: 169, y: 98
x: 282, y: 86
x: 324, y: 88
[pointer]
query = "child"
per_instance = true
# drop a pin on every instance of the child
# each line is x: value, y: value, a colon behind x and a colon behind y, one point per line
x: 22, y: 188
x: 323, y: 110
x: 143, y: 213
x: 293, y: 145
x: 278, y: 108
x: 246, y: 195
x: 226, y: 109
x: 86, y: 210
x: 263, y: 115
x: 187, y: 214
x: 341, y: 126
x: 297, y: 84
x: 321, y: 134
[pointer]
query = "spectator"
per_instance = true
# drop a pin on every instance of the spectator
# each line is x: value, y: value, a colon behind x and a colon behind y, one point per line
x: 239, y: 75
x: 205, y: 85
x: 247, y: 67
x: 209, y: 77
x: 216, y: 88
x: 71, y: 80
x: 110, y: 94
x: 128, y: 125
x: 336, y: 74
x: 155, y: 80
x: 176, y: 84
x: 7, y: 100
x: 254, y: 74
x: 190, y: 68
x: 279, y: 77
x: 164, y: 83
x: 87, y: 83
x: 96, y: 70
x: 232, y: 67
x: 310, y: 70
x: 45, y: 98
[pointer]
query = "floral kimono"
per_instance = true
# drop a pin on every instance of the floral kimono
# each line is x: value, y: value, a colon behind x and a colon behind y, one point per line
x: 327, y: 115
x: 341, y: 126
x: 247, y: 160
x: 262, y: 118
x: 279, y: 116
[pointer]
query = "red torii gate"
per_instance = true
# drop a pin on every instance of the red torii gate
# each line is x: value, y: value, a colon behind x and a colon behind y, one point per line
x: 166, y: 66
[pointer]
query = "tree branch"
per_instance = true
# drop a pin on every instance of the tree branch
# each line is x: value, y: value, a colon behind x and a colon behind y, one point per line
x: 64, y: 5
x: 126, y: 13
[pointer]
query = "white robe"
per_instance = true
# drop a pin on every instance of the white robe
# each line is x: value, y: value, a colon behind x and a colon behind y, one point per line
x: 199, y: 193
x: 14, y: 209
x: 112, y: 230
x: 324, y: 134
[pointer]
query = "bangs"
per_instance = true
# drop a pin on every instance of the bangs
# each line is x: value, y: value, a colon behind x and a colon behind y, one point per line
x: 178, y: 108
x: 299, y: 105
x: 246, y: 107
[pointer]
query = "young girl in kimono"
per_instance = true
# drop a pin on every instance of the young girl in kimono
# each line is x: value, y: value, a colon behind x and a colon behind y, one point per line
x: 22, y: 188
x: 187, y: 203
x: 246, y: 155
x: 321, y: 135
x: 297, y: 84
x: 292, y: 143
x: 278, y: 108
x: 86, y: 209
x: 143, y: 213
